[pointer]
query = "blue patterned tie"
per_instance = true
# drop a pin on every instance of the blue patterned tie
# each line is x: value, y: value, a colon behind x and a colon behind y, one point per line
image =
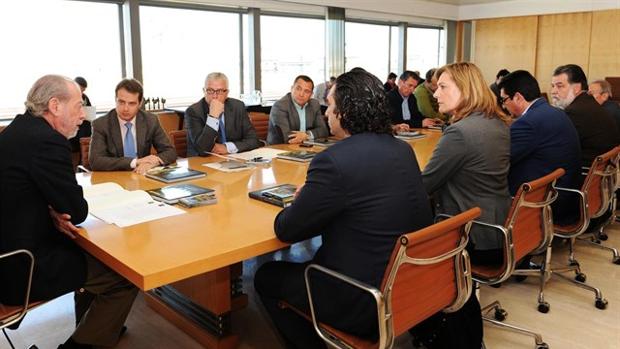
x: 129, y: 148
x: 222, y: 130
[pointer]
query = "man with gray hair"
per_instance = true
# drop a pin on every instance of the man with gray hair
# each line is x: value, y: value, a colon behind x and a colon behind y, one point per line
x: 598, y: 132
x: 40, y: 205
x: 218, y: 124
x: 601, y: 91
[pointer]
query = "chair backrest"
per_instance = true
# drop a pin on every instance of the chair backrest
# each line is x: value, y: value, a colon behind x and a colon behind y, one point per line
x: 260, y: 121
x: 169, y: 121
x: 428, y: 272
x: 10, y: 315
x: 179, y: 142
x: 598, y: 186
x: 528, y: 227
x: 84, y: 149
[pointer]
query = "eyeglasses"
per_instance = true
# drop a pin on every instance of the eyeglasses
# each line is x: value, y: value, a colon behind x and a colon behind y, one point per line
x: 504, y: 99
x: 211, y: 91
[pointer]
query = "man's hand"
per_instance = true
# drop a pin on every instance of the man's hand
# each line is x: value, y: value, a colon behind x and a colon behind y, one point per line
x: 146, y: 163
x: 400, y: 128
x: 296, y: 137
x: 62, y: 222
x: 431, y: 122
x: 220, y: 149
x: 216, y: 108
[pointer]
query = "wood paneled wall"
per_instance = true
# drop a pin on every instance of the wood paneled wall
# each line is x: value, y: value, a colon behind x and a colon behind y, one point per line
x: 541, y: 43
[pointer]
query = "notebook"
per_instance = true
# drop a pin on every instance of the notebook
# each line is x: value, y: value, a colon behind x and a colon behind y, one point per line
x: 322, y: 142
x: 170, y: 174
x: 298, y: 155
x: 171, y: 194
x: 281, y: 195
x: 406, y: 135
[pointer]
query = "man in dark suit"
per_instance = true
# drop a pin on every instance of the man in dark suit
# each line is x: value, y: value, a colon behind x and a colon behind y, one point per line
x: 122, y: 139
x: 40, y: 204
x: 404, y: 106
x: 358, y: 205
x: 218, y: 124
x: 296, y: 117
x: 601, y: 91
x: 598, y: 132
x: 542, y: 138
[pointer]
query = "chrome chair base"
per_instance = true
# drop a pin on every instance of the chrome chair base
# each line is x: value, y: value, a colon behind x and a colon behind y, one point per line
x: 499, y: 315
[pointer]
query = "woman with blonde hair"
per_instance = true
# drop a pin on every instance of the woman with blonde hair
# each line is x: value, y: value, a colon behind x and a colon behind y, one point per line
x: 469, y: 168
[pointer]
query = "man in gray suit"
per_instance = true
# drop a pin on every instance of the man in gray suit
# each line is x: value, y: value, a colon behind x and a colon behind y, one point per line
x: 218, y: 124
x: 296, y: 117
x: 122, y: 139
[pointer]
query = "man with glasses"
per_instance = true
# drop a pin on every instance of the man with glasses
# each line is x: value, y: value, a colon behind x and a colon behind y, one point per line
x: 601, y: 91
x: 122, y: 139
x: 297, y: 117
x: 218, y: 124
x: 542, y: 138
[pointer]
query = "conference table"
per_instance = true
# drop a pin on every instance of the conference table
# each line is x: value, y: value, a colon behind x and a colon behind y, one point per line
x: 190, y: 265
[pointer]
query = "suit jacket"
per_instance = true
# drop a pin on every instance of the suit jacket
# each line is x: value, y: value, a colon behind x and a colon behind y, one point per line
x: 201, y: 138
x: 106, y: 145
x: 36, y: 171
x: 613, y: 108
x: 396, y: 108
x: 469, y: 168
x: 284, y: 118
x: 598, y: 132
x: 542, y: 140
x: 359, y: 205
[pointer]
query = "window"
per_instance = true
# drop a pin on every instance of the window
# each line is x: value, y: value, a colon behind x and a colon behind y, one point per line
x: 425, y: 49
x: 289, y: 47
x: 79, y: 39
x: 367, y: 46
x: 394, y: 51
x: 181, y: 46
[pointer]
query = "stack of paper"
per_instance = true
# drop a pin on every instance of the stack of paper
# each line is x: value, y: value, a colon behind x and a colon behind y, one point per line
x: 115, y: 205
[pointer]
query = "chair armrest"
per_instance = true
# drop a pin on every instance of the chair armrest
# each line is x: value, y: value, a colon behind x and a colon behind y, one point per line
x: 375, y: 293
x: 17, y: 318
x: 81, y: 168
x: 584, y: 213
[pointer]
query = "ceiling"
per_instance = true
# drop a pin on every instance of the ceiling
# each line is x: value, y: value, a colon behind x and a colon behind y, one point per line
x: 466, y: 2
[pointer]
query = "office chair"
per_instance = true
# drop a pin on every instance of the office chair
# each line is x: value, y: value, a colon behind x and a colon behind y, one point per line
x: 528, y: 229
x: 609, y: 196
x: 178, y: 139
x: 11, y: 316
x: 260, y: 122
x: 411, y: 290
x: 84, y: 149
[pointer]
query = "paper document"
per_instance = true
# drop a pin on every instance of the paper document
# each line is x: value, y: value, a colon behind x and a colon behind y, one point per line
x: 229, y: 166
x: 115, y: 205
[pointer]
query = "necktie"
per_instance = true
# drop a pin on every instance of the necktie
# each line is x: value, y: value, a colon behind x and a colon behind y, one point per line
x: 129, y: 147
x: 222, y: 130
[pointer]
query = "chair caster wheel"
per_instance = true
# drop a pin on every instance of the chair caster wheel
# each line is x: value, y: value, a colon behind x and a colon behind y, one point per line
x: 601, y: 303
x: 542, y: 345
x: 500, y: 314
x: 543, y: 307
x: 603, y: 237
x: 581, y: 277
x: 616, y: 261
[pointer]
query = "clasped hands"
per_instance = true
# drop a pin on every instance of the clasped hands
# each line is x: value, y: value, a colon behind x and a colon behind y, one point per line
x: 296, y: 137
x: 146, y: 163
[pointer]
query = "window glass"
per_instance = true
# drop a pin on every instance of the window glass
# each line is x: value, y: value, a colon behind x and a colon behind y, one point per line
x: 79, y: 39
x: 181, y: 46
x: 423, y: 49
x: 290, y: 46
x: 367, y: 46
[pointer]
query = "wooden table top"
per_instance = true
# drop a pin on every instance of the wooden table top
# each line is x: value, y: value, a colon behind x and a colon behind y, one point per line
x: 206, y: 238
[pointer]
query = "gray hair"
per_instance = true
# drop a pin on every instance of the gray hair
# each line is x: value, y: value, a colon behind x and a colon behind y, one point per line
x: 216, y: 76
x: 46, y: 88
x: 605, y: 86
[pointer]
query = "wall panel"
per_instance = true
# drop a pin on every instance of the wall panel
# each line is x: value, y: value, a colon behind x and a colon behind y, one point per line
x: 505, y: 43
x: 605, y: 45
x: 562, y: 39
